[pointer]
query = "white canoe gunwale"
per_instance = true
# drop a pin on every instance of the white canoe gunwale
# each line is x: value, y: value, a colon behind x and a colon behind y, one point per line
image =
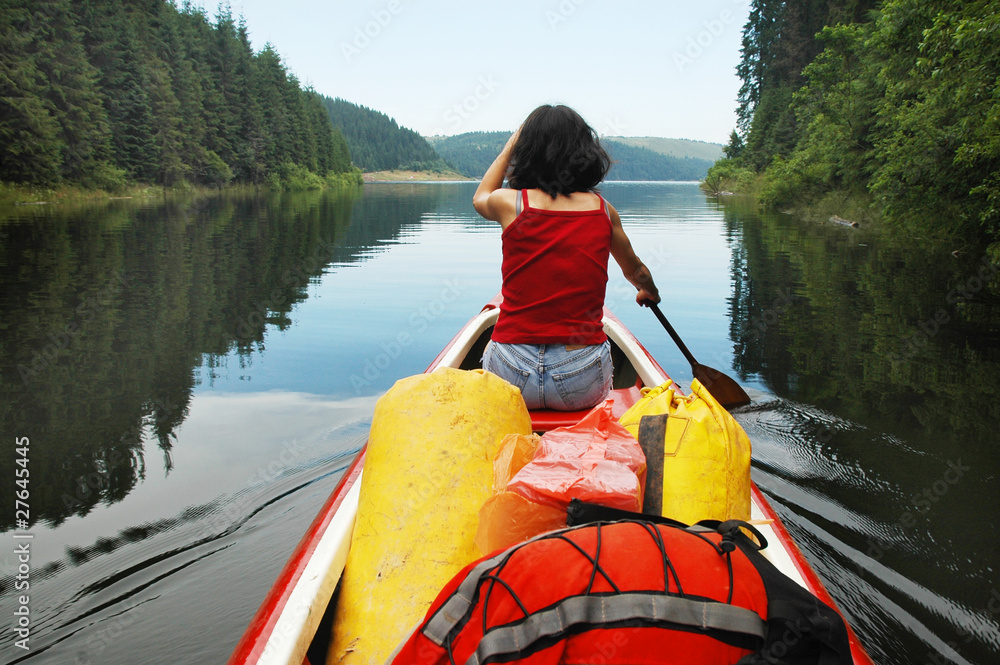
x: 285, y: 624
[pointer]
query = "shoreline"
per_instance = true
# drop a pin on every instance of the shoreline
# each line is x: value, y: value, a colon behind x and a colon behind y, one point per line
x: 398, y: 175
x: 17, y: 195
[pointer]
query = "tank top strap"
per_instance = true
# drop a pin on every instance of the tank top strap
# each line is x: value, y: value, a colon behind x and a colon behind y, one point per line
x: 604, y: 206
x: 522, y: 202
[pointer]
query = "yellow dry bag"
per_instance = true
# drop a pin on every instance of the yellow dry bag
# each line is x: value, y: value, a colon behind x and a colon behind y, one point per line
x: 428, y: 469
x: 705, y: 472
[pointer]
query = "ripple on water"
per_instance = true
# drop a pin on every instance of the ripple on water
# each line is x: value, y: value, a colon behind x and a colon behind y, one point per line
x: 859, y: 530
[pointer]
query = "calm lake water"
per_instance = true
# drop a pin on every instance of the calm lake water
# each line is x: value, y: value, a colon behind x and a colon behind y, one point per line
x: 193, y: 377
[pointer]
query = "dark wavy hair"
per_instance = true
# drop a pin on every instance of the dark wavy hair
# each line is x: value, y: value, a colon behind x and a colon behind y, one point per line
x: 558, y: 153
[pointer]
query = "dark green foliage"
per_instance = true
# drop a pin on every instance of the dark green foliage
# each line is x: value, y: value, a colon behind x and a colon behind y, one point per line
x: 29, y: 134
x: 779, y: 40
x: 53, y: 123
x: 899, y: 106
x: 936, y: 144
x: 97, y: 92
x: 473, y: 152
x: 377, y: 143
x: 734, y: 149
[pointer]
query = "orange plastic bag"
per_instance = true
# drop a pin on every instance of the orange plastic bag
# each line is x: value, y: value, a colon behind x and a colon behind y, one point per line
x: 596, y: 460
x: 516, y: 450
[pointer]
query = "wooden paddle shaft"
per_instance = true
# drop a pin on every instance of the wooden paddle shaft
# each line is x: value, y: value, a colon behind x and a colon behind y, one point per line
x: 673, y: 333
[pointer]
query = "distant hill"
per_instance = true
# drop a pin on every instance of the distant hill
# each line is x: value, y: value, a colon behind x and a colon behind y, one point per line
x: 640, y: 163
x: 646, y: 158
x: 471, y: 153
x: 682, y: 148
x: 378, y: 143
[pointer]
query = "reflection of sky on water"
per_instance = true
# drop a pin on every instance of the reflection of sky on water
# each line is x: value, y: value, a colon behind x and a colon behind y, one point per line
x: 368, y: 323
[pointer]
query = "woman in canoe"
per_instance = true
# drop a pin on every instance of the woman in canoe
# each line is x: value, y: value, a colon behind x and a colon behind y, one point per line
x: 557, y: 234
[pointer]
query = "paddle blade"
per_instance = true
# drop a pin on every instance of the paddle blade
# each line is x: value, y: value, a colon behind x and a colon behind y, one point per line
x: 726, y: 391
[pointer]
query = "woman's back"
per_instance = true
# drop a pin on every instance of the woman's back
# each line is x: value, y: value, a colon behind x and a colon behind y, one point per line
x: 555, y: 271
x: 557, y: 235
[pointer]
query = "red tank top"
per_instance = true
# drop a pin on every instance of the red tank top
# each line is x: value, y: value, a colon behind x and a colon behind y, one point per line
x: 555, y: 274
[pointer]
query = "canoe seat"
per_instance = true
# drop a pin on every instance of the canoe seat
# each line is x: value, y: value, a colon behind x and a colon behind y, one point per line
x: 543, y: 420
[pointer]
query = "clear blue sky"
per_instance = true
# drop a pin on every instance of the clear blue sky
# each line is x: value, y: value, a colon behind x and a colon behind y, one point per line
x: 630, y: 67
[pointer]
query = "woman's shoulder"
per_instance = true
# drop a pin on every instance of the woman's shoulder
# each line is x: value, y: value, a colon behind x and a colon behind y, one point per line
x: 503, y: 205
x: 577, y: 201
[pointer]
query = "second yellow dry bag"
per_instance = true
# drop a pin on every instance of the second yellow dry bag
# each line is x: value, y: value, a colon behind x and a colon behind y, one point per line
x: 705, y: 453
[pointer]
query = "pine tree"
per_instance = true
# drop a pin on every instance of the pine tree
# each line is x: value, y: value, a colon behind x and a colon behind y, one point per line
x: 94, y: 91
x: 110, y: 41
x: 30, y: 146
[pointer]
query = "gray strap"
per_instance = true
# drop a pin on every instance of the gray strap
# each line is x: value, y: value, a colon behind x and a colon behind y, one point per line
x: 605, y: 610
x: 458, y: 606
x: 454, y: 610
x: 652, y: 435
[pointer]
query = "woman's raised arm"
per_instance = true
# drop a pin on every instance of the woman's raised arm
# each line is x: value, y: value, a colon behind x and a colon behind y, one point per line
x: 499, y: 208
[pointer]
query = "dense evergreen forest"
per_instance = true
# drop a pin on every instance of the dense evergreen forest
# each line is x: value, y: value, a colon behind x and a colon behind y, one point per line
x: 473, y: 152
x: 890, y: 103
x: 104, y: 93
x: 377, y: 143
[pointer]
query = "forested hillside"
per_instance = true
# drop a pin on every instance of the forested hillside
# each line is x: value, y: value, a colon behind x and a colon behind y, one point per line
x: 472, y: 153
x: 377, y: 143
x: 639, y: 163
x: 893, y: 103
x: 104, y: 93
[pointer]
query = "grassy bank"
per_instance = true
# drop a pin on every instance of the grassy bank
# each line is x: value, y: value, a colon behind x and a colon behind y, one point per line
x: 16, y: 194
x: 771, y: 191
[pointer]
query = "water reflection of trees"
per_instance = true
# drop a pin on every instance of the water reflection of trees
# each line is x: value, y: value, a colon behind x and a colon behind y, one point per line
x: 876, y: 329
x: 108, y: 309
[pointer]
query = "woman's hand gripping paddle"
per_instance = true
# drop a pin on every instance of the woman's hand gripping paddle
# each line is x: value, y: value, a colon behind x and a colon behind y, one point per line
x: 724, y: 389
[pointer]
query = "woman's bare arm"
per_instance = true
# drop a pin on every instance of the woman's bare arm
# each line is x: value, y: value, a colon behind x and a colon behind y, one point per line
x: 633, y: 268
x: 491, y: 200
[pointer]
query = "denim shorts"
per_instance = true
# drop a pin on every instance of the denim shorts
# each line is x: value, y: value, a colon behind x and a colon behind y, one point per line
x: 551, y: 377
